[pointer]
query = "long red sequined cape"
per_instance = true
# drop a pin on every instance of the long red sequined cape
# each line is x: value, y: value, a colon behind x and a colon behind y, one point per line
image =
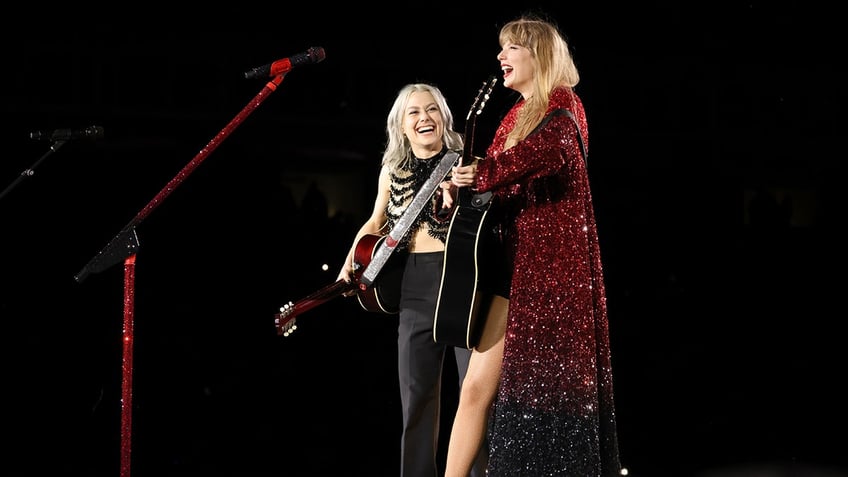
x: 554, y: 412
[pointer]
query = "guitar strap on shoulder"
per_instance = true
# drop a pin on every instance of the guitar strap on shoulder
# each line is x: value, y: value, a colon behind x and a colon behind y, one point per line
x: 422, y: 197
x: 560, y: 112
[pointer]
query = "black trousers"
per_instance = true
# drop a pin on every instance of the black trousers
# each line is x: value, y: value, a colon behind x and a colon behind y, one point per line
x: 420, y: 362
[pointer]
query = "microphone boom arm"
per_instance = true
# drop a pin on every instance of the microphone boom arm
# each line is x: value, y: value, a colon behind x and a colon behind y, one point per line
x: 125, y: 244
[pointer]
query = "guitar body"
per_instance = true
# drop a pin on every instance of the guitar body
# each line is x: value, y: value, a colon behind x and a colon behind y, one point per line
x: 382, y: 297
x: 468, y: 243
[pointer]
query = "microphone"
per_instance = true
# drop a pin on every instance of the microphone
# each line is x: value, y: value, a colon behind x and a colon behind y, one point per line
x: 310, y: 56
x: 93, y: 132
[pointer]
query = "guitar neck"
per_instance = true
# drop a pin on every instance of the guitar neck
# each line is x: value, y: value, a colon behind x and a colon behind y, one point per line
x: 468, y: 147
x: 285, y: 319
x: 322, y: 296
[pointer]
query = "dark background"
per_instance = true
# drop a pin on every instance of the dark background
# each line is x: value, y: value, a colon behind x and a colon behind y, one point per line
x: 715, y: 153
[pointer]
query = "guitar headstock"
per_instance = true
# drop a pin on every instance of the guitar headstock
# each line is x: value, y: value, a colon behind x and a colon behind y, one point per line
x: 476, y: 108
x: 285, y: 321
x: 482, y: 96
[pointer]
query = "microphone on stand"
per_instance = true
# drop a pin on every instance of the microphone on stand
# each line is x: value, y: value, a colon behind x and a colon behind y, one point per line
x: 310, y: 56
x: 93, y: 132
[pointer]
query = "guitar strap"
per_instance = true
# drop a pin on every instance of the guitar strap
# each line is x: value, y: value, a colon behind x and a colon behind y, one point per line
x: 422, y: 198
x: 560, y: 112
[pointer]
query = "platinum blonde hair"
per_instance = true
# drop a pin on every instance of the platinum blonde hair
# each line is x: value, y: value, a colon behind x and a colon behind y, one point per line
x: 398, y: 151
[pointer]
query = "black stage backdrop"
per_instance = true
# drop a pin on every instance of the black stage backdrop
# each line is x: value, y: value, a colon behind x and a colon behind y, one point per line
x: 713, y: 150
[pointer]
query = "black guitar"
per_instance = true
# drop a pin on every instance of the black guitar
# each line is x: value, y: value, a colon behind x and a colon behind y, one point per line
x: 459, y: 301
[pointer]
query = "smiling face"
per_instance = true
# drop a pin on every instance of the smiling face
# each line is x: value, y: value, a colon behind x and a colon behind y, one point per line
x: 423, y: 125
x: 518, y: 68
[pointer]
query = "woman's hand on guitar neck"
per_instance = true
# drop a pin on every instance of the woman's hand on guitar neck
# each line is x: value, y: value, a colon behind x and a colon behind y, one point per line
x: 346, y: 274
x: 465, y: 175
x: 461, y: 176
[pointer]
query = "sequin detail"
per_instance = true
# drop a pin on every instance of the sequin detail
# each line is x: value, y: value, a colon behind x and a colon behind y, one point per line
x: 554, y: 413
x: 405, y: 183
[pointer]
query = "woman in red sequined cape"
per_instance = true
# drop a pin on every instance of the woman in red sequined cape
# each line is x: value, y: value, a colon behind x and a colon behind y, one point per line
x: 553, y: 412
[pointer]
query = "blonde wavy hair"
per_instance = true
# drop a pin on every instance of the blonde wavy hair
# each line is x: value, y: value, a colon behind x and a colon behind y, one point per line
x: 398, y: 151
x: 553, y: 62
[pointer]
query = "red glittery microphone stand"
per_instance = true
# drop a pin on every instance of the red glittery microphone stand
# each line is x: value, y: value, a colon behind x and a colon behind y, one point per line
x: 124, y: 247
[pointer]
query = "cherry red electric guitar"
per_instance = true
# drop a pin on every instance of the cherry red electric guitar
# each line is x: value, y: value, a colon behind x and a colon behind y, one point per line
x: 382, y: 296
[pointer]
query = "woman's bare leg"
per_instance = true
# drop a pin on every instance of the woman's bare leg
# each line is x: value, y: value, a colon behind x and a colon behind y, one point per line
x: 478, y: 392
